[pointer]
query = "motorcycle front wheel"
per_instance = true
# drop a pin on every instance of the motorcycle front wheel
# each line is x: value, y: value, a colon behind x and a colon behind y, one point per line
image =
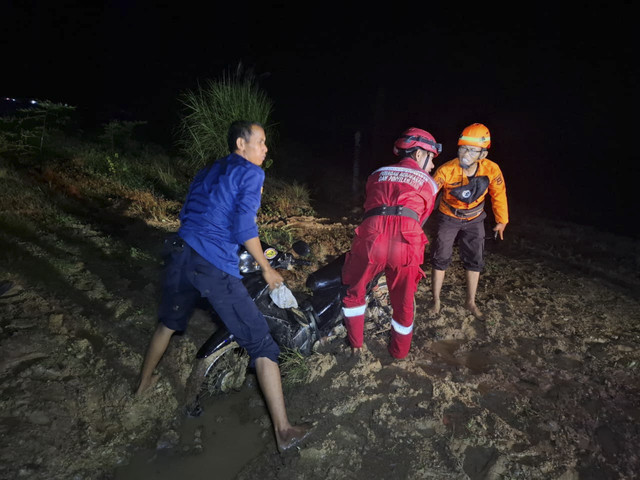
x: 224, y: 371
x: 221, y: 372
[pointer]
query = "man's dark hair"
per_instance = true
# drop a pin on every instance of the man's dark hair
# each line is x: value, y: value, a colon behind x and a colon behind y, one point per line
x: 239, y: 129
x: 409, y: 152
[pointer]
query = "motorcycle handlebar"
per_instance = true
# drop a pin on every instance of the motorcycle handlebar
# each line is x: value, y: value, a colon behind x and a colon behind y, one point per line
x: 297, y: 261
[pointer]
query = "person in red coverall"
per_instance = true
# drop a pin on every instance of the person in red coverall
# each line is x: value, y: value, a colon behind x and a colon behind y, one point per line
x: 399, y: 199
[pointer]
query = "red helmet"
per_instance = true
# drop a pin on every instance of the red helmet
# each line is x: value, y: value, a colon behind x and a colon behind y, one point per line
x: 416, y: 137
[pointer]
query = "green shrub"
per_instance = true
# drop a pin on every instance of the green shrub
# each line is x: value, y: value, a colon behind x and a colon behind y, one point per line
x: 279, y: 237
x: 155, y: 172
x: 118, y: 134
x: 209, y: 111
x: 29, y: 128
x: 284, y: 199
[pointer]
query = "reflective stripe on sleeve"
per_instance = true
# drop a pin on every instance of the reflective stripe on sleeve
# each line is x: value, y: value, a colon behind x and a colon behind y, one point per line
x: 354, y: 311
x: 402, y: 330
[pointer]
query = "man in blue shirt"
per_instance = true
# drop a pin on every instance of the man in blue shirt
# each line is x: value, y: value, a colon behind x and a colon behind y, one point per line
x: 219, y: 215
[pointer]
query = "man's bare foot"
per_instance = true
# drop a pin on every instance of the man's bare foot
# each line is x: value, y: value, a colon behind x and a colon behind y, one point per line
x: 146, y: 385
x: 292, y: 436
x: 474, y: 309
x: 356, y: 352
x: 435, y: 308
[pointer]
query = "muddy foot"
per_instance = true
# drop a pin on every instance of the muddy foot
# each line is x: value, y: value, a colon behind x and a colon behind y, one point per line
x: 355, y: 356
x: 147, y: 385
x: 293, y: 436
x: 474, y: 309
x: 351, y: 360
x: 386, y: 360
x: 434, y: 310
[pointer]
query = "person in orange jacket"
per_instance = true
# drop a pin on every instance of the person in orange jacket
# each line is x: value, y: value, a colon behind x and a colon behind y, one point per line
x: 465, y: 182
x: 399, y: 199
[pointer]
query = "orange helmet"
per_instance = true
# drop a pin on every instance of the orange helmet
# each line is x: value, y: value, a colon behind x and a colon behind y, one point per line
x: 476, y: 135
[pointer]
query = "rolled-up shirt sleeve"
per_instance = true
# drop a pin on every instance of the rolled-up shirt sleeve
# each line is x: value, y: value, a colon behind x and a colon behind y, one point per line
x: 248, y: 202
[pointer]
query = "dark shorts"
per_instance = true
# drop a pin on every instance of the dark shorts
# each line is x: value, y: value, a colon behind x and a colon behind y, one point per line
x: 470, y: 235
x: 188, y: 277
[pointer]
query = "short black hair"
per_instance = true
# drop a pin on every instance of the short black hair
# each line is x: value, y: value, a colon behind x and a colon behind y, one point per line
x: 240, y: 129
x: 409, y: 152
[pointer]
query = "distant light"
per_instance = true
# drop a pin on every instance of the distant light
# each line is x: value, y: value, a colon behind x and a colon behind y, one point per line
x: 34, y: 102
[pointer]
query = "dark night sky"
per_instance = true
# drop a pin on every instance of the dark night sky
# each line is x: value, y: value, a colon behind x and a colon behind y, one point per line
x: 554, y: 88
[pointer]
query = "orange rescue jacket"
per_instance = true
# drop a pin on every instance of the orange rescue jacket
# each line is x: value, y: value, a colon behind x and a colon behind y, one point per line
x: 456, y: 196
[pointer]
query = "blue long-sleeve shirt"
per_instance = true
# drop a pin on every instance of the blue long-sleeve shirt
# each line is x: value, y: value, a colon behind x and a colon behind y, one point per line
x: 219, y: 213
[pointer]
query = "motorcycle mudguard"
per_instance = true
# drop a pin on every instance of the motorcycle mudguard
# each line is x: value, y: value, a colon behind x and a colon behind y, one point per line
x: 327, y: 304
x: 215, y: 342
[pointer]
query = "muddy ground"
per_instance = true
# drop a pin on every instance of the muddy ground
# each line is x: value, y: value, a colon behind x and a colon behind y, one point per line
x: 544, y: 387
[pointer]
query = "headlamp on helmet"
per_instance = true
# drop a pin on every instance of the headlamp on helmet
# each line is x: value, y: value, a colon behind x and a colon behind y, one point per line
x: 417, y: 138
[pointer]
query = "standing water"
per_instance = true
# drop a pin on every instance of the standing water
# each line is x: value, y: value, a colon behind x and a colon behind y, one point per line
x: 233, y: 429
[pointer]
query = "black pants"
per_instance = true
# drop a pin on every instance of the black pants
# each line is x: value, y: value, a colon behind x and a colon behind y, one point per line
x: 470, y: 234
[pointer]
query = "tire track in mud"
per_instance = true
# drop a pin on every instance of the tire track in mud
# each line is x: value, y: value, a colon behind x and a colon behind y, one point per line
x: 73, y: 331
x: 66, y: 401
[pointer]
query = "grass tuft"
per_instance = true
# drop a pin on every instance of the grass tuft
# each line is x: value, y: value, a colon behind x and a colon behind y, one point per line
x: 294, y: 367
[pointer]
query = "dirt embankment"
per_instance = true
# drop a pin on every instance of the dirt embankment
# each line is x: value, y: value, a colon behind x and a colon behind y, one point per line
x: 546, y: 386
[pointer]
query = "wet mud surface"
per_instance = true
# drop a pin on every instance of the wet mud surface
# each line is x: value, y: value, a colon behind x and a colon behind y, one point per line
x: 545, y: 386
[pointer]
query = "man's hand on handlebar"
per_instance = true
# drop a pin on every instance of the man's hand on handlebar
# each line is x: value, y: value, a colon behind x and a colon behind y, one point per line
x: 272, y: 277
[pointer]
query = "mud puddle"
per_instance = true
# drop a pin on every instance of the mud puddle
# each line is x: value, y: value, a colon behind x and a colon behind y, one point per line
x: 232, y: 430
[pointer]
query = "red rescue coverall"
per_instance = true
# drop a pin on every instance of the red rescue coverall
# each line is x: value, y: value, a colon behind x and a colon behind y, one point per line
x: 392, y: 243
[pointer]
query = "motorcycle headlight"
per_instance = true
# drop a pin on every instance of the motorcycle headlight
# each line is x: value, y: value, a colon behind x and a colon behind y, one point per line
x: 247, y: 263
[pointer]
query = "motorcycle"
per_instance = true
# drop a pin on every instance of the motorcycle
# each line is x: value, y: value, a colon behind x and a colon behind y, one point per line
x: 221, y: 364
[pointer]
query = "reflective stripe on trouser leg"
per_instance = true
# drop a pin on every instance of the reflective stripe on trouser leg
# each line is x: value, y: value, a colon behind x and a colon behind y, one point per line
x: 356, y: 274
x: 401, y: 329
x: 402, y: 283
x: 354, y: 323
x: 400, y: 339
